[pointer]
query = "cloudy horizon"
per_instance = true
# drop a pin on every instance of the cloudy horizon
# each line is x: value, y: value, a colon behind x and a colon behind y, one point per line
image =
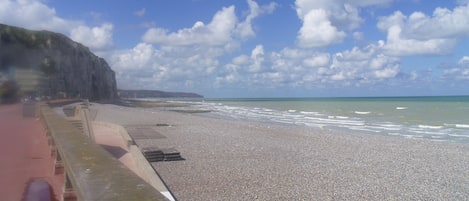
x: 260, y: 48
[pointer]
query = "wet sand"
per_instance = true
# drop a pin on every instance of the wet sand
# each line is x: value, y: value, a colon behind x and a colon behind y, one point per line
x: 240, y: 160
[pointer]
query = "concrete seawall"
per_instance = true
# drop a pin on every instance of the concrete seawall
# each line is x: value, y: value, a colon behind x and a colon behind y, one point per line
x: 93, y: 172
x: 144, y: 168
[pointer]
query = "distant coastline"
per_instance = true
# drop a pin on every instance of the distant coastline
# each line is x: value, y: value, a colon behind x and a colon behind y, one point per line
x: 155, y: 94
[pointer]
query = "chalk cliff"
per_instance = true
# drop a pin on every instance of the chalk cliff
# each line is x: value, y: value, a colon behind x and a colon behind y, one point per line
x: 44, y: 63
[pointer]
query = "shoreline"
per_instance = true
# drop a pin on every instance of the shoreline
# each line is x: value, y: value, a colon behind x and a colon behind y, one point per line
x: 243, y: 160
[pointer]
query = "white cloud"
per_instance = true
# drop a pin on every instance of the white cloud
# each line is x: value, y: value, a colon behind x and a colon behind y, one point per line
x: 458, y: 72
x: 419, y: 34
x: 257, y: 57
x: 97, y: 38
x: 396, y: 45
x: 358, y: 36
x: 217, y: 32
x: 222, y: 30
x: 137, y: 58
x: 174, y: 67
x: 317, y: 30
x: 189, y: 56
x: 367, y: 65
x: 325, y: 22
x: 444, y: 23
x: 341, y: 13
x: 363, y: 3
x: 140, y: 12
x: 240, y: 60
x: 319, y: 60
x: 244, y: 28
x: 305, y: 68
x: 35, y: 15
x: 464, y: 60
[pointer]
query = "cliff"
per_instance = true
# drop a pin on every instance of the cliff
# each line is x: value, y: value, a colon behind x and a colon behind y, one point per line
x: 44, y: 63
x: 155, y: 94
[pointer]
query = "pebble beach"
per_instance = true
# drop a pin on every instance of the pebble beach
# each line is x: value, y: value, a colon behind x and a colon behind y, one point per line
x: 242, y: 160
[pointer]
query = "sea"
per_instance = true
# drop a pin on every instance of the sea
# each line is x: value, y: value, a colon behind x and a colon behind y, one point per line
x: 438, y: 118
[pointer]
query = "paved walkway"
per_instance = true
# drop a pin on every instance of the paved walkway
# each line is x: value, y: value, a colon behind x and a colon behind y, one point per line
x: 24, y: 154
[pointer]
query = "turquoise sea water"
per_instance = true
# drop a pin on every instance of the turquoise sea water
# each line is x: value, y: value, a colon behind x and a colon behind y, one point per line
x: 436, y: 118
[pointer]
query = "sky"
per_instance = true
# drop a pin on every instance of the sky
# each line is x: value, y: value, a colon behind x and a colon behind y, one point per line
x: 263, y: 48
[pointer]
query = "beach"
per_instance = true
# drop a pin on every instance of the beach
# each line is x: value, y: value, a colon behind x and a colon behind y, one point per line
x: 228, y: 159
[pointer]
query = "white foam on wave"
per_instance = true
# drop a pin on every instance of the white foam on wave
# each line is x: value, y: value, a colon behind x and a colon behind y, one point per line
x: 462, y: 126
x: 390, y: 125
x: 430, y: 127
x: 333, y: 121
x: 359, y: 112
x: 458, y: 135
x: 428, y: 132
x: 363, y: 128
x: 352, y: 122
x: 321, y: 126
x: 310, y: 113
x: 380, y: 127
x: 341, y: 117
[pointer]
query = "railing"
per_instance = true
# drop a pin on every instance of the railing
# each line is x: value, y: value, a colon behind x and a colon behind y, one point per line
x: 90, y: 170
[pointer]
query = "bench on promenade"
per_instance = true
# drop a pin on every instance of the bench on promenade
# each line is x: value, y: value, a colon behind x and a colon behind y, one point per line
x: 93, y: 173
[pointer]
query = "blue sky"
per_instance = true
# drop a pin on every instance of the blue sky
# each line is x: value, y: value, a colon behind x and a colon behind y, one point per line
x: 237, y: 48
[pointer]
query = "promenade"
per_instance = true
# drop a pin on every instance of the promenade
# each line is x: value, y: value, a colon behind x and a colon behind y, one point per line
x: 24, y: 154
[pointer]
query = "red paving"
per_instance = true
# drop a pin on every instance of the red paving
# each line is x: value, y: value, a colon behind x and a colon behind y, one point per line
x: 24, y: 154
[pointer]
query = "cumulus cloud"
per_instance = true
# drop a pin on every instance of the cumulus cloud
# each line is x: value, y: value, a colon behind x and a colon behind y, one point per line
x: 35, y: 15
x: 137, y: 58
x: 460, y: 71
x: 341, y: 14
x: 363, y: 3
x: 317, y: 30
x: 319, y: 60
x: 217, y: 32
x: 419, y: 34
x: 464, y: 60
x: 325, y: 22
x: 140, y: 12
x: 363, y: 65
x: 97, y: 38
x: 444, y: 23
x: 398, y: 45
x: 305, y: 68
x: 174, y: 67
x: 223, y: 30
x: 244, y: 28
x: 257, y: 57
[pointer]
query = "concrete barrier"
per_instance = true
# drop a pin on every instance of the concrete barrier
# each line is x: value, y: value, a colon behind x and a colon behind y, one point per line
x: 94, y: 173
x: 144, y: 167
